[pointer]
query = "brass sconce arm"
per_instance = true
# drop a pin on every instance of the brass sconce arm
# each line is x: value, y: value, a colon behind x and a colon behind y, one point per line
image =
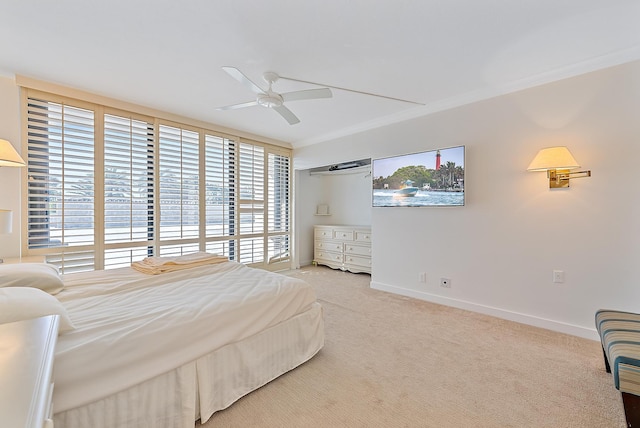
x: 559, y: 178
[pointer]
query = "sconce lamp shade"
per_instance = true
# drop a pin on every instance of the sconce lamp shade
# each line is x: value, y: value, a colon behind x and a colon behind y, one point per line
x: 8, y: 155
x: 553, y: 158
x: 6, y: 220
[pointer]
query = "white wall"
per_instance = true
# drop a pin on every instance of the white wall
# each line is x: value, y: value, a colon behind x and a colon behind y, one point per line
x: 10, y: 177
x: 501, y: 248
x: 348, y: 197
x: 305, y: 199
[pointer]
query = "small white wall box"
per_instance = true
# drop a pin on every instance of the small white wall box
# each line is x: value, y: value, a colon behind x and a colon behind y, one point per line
x: 322, y: 209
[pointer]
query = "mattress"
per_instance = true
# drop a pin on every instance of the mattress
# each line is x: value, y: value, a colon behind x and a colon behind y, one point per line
x: 132, y: 329
x: 198, y: 389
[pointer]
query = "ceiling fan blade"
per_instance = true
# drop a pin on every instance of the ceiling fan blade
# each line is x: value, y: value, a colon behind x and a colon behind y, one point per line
x: 236, y: 106
x: 350, y: 90
x: 287, y: 114
x: 308, y: 94
x: 240, y: 77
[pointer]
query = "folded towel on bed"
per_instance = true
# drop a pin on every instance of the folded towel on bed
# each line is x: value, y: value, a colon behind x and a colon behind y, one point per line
x: 157, y: 265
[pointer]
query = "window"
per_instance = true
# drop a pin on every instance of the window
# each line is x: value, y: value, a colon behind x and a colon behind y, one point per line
x: 220, y: 195
x: 129, y: 175
x: 61, y: 180
x: 278, y: 208
x: 106, y: 188
x: 251, y: 206
x: 179, y: 189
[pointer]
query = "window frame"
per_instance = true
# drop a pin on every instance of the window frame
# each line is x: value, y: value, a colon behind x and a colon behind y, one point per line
x: 101, y: 245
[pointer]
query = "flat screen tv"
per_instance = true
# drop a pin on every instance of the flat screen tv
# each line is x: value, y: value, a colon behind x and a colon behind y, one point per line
x: 432, y: 178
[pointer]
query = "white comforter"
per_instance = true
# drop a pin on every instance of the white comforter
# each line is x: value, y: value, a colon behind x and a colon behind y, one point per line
x: 131, y: 327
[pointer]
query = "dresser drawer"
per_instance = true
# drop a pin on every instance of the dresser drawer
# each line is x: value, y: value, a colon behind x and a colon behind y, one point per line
x: 326, y: 255
x: 328, y: 246
x: 356, y: 260
x: 362, y: 236
x: 323, y: 233
x: 357, y: 250
x: 343, y: 235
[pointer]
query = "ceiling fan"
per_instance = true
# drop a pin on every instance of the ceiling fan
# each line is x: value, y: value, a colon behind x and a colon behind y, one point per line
x: 273, y: 100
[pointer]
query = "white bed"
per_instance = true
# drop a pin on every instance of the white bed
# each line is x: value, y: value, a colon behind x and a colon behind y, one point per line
x: 166, y: 350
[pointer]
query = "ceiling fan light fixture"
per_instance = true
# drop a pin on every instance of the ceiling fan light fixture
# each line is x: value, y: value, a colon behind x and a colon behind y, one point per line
x: 270, y: 100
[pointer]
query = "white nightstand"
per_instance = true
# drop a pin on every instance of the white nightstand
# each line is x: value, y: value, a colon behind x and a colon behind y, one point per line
x: 25, y: 259
x: 26, y: 378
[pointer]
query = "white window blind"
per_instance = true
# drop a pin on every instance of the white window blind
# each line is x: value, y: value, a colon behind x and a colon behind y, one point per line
x: 129, y: 221
x: 278, y: 188
x: 220, y: 167
x: 108, y: 187
x: 61, y: 180
x: 252, y: 204
x: 279, y: 248
x: 178, y: 185
x: 178, y: 249
x: 251, y: 171
x: 278, y: 213
x: 225, y: 247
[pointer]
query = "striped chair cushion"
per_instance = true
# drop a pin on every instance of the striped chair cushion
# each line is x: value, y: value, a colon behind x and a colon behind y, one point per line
x: 620, y: 336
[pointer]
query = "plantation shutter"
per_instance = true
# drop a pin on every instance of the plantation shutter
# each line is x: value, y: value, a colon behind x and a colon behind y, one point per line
x: 251, y: 204
x: 108, y: 187
x: 220, y: 195
x: 61, y: 182
x: 278, y: 208
x: 129, y: 225
x: 179, y: 190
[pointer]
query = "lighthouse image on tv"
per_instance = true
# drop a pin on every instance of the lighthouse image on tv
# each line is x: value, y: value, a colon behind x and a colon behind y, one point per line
x: 430, y: 178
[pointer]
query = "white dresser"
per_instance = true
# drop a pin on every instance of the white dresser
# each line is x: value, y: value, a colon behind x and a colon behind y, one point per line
x: 343, y: 247
x: 26, y: 372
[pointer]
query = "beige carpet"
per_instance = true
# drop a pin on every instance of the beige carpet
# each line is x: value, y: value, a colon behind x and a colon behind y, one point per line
x: 392, y: 361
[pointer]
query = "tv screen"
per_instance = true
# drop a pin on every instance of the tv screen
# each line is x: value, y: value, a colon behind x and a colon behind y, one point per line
x: 433, y: 178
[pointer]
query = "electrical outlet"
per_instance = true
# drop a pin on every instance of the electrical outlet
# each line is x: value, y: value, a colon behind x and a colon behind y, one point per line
x: 422, y: 277
x: 445, y: 282
x: 558, y: 276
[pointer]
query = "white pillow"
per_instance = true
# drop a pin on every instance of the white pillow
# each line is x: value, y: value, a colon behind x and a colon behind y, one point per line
x: 23, y: 303
x: 39, y: 275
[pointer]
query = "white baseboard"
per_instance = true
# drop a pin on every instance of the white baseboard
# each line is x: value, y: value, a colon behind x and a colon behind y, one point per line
x: 561, y: 327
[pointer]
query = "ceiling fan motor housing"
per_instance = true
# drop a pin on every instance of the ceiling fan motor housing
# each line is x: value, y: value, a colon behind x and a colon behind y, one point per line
x: 270, y: 100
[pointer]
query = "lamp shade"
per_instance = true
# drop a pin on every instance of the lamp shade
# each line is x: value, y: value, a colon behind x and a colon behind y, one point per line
x: 8, y: 155
x: 6, y: 220
x: 553, y: 158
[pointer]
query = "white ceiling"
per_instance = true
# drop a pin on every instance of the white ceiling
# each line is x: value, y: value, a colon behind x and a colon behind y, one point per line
x: 168, y: 54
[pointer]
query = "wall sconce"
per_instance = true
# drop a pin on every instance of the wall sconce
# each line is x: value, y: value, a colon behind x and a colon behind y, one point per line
x: 558, y: 162
x: 9, y: 156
